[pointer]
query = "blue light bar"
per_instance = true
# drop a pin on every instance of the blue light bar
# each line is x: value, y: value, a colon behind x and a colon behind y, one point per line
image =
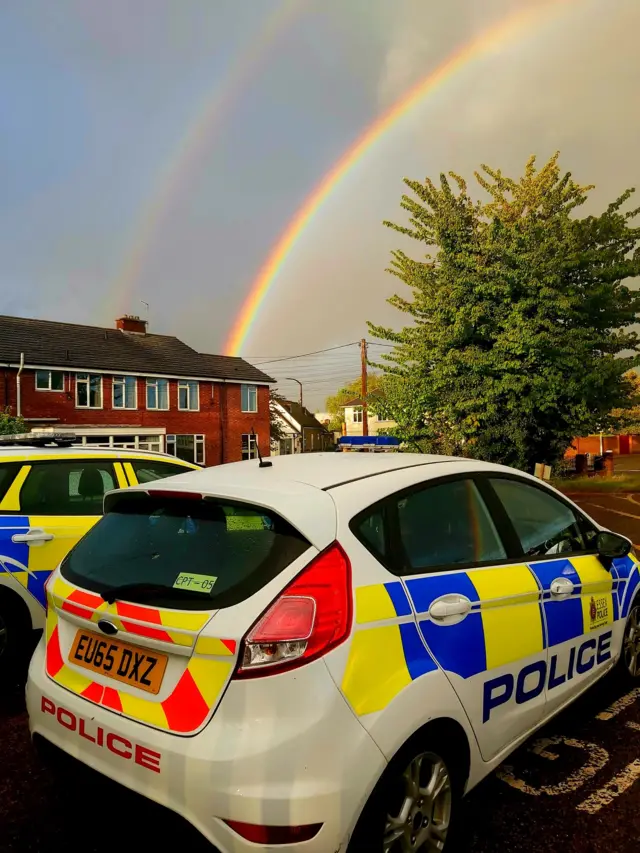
x: 369, y: 441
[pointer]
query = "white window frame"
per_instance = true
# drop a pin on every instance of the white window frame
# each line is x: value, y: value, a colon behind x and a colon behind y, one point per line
x: 252, y: 446
x: 250, y: 389
x: 155, y: 383
x: 87, y: 381
x: 358, y: 416
x: 122, y: 380
x: 186, y: 384
x: 198, y: 447
x: 49, y: 388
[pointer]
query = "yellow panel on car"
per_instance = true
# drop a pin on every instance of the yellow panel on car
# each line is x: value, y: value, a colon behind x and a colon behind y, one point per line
x: 376, y: 670
x: 509, y: 594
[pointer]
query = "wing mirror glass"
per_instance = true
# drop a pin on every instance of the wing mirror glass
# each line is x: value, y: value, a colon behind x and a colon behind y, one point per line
x: 612, y: 545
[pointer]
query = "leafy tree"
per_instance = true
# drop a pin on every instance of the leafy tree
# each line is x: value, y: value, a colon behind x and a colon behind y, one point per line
x: 519, y: 338
x: 627, y: 418
x: 351, y: 391
x: 10, y: 425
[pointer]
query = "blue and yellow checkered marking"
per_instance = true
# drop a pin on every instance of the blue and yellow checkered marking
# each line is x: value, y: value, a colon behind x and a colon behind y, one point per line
x: 15, y: 551
x: 383, y: 658
x: 486, y: 638
x: 14, y: 556
x: 513, y: 616
x: 569, y: 618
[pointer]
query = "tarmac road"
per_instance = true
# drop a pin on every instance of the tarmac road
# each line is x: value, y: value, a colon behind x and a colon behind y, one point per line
x: 575, y: 786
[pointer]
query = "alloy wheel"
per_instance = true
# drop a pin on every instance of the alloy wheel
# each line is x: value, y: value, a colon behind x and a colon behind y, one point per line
x: 631, y: 644
x: 420, y: 813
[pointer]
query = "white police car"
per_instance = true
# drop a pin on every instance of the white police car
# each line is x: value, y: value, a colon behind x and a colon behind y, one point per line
x: 326, y: 652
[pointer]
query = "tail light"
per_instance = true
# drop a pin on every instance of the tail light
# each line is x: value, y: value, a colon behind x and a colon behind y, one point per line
x: 311, y: 617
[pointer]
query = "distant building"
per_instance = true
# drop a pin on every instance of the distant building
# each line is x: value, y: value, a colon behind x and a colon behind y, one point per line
x: 127, y: 388
x: 353, y: 418
x: 302, y: 432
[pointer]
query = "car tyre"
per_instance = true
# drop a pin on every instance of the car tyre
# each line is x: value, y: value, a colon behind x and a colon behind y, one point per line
x: 413, y: 807
x: 629, y: 663
x: 15, y: 631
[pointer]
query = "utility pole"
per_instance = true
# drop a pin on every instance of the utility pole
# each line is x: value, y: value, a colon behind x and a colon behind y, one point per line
x: 363, y: 392
x: 291, y: 379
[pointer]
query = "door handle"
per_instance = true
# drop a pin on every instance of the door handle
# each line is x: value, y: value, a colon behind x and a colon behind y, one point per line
x: 561, y: 588
x: 450, y: 608
x: 33, y: 536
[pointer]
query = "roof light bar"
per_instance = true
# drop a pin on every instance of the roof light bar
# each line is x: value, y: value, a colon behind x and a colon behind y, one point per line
x: 39, y: 439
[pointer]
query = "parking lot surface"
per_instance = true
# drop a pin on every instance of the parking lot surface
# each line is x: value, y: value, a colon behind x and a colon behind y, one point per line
x: 574, y: 786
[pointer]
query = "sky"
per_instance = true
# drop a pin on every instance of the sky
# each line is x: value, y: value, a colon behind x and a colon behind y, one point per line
x: 155, y: 150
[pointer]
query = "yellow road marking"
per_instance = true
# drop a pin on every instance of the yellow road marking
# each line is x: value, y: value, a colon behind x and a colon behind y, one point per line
x: 620, y: 783
x: 597, y: 757
x: 619, y: 705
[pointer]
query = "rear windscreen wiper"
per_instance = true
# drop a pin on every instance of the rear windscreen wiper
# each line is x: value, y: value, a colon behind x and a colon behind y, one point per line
x: 143, y: 591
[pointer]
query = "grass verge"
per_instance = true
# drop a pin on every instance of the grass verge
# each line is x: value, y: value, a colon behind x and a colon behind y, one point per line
x: 617, y: 483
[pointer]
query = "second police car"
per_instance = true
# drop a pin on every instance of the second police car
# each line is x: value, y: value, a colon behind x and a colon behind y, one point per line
x: 51, y: 493
x: 328, y: 652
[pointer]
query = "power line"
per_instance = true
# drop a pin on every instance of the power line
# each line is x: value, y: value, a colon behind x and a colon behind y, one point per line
x: 305, y: 354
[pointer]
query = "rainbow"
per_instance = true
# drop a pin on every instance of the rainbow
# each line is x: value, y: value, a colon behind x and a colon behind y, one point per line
x: 492, y: 38
x: 193, y: 145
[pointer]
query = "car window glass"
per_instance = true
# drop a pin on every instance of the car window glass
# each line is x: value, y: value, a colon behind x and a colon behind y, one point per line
x: 371, y: 532
x: 446, y: 525
x: 7, y: 476
x: 74, y: 487
x: 146, y: 471
x: 544, y: 524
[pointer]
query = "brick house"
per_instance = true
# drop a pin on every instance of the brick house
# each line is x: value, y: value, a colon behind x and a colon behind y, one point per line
x: 127, y: 388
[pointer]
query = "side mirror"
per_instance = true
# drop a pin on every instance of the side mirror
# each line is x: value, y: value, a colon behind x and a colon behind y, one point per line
x: 612, y: 545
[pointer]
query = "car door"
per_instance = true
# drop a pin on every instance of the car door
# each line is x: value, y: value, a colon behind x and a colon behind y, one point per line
x: 50, y: 505
x: 579, y: 601
x: 478, y: 613
x: 13, y: 555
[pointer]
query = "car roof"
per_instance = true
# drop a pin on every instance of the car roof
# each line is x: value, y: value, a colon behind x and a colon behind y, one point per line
x: 20, y: 451
x: 320, y: 470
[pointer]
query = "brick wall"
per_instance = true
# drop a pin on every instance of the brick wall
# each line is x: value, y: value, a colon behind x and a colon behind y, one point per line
x: 220, y: 418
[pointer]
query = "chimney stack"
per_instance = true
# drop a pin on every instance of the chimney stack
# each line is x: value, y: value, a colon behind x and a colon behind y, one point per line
x: 131, y: 323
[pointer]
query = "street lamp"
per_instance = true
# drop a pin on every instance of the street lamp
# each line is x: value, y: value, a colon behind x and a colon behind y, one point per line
x: 291, y: 379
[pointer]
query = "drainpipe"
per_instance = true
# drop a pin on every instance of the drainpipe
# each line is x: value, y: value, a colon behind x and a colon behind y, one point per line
x: 18, y: 395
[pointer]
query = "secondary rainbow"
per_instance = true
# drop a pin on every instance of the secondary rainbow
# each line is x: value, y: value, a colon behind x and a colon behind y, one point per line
x: 490, y: 39
x: 193, y: 145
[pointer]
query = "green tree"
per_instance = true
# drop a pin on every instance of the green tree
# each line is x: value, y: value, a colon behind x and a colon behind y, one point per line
x: 351, y: 391
x: 519, y: 338
x: 626, y: 419
x: 10, y: 425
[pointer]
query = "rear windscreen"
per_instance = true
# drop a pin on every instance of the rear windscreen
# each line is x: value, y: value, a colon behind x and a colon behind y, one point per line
x: 183, y: 553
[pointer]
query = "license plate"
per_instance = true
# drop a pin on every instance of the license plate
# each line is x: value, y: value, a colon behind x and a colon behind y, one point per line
x: 129, y: 664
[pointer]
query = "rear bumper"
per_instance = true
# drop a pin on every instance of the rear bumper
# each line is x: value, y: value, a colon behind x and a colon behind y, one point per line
x: 284, y: 750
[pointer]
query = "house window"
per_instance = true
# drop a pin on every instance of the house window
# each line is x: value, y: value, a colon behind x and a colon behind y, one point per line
x: 249, y: 446
x: 249, y: 398
x: 188, y: 396
x: 158, y: 394
x: 88, y: 391
x: 187, y: 447
x: 125, y: 392
x: 357, y: 415
x: 49, y: 380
